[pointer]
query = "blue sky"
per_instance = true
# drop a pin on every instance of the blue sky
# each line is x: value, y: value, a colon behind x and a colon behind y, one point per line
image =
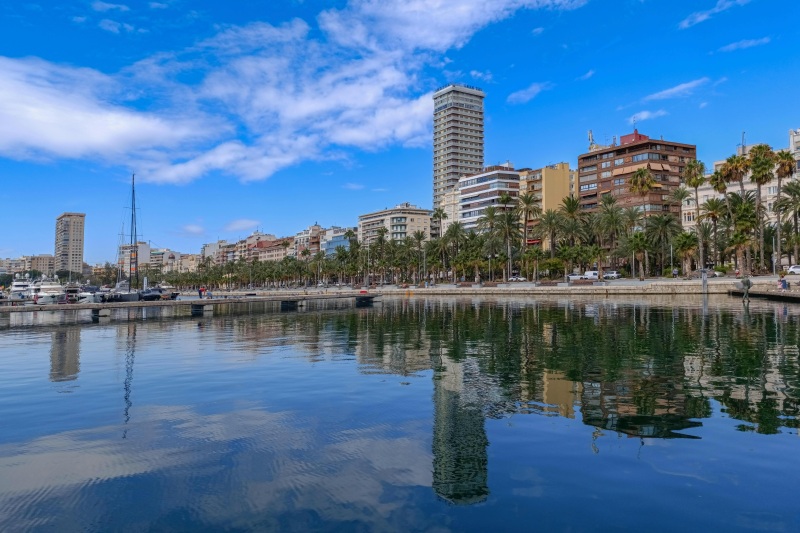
x: 250, y: 114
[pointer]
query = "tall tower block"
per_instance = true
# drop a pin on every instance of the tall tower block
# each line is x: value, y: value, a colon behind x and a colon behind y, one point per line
x: 457, y: 136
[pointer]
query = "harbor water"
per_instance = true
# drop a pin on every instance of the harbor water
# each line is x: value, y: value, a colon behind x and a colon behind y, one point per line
x: 437, y: 414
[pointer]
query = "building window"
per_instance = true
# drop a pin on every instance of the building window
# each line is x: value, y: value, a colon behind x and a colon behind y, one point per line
x: 605, y: 164
x: 620, y: 161
x: 639, y: 157
x: 619, y: 181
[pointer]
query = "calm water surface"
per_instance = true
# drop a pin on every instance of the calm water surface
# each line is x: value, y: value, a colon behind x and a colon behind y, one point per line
x: 420, y: 415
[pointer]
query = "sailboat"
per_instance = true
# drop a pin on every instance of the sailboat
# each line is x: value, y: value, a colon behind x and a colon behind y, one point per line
x: 123, y: 292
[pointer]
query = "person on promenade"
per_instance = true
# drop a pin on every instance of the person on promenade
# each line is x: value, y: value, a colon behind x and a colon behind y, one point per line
x: 200, y: 292
x: 675, y: 272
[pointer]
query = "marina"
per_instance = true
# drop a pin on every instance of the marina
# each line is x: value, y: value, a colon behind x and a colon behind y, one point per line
x: 459, y: 410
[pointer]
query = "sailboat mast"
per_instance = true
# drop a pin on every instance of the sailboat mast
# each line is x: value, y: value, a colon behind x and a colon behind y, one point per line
x: 134, y: 262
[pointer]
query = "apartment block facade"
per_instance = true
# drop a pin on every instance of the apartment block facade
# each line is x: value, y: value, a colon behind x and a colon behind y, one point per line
x: 482, y: 190
x: 69, y: 242
x: 457, y: 136
x: 400, y: 222
x: 549, y: 186
x: 606, y: 170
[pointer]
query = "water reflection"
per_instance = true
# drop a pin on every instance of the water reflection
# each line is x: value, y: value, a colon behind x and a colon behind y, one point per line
x: 65, y: 349
x: 394, y: 418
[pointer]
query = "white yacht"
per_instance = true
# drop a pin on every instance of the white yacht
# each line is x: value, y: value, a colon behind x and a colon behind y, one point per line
x: 18, y: 292
x: 46, y: 292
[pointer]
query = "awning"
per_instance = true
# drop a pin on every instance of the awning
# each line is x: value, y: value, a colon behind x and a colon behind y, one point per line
x: 656, y: 166
x: 618, y: 171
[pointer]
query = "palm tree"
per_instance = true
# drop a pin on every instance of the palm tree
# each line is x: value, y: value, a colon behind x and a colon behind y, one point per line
x: 786, y: 166
x: 637, y: 244
x: 419, y: 238
x: 642, y: 182
x: 694, y: 177
x: 686, y: 244
x: 735, y: 168
x: 789, y: 202
x: 714, y: 209
x: 661, y: 229
x: 438, y: 216
x: 487, y: 224
x: 631, y: 217
x: 530, y: 210
x: 550, y: 226
x: 611, y: 221
x: 508, y: 225
x: 762, y: 161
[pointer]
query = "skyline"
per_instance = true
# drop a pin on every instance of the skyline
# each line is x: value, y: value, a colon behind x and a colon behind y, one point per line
x: 240, y: 117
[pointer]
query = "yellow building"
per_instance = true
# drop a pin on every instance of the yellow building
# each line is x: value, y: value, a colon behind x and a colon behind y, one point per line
x: 549, y: 185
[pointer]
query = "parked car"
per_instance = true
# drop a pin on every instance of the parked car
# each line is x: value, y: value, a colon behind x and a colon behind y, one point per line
x: 611, y: 274
x: 575, y: 277
x: 517, y: 278
x: 794, y: 269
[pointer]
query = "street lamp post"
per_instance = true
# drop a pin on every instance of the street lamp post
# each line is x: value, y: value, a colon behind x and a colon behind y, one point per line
x: 774, y: 260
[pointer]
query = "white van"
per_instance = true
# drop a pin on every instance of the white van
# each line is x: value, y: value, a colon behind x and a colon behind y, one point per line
x: 591, y: 274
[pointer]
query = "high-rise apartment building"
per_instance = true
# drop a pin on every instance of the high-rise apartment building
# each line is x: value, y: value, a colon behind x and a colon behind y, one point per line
x: 457, y: 136
x: 607, y: 170
x: 69, y: 242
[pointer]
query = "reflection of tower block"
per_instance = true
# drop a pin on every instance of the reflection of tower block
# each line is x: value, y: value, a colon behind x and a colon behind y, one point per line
x: 460, y: 460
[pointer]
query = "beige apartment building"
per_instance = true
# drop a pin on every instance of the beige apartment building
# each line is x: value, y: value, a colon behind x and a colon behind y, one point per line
x: 400, y: 222
x: 549, y: 186
x: 45, y: 264
x: 69, y: 242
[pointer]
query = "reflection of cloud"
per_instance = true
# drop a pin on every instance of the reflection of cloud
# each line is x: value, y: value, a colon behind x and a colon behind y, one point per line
x: 268, y: 462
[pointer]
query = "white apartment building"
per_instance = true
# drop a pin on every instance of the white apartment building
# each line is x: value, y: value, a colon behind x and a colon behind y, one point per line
x: 480, y: 191
x: 133, y: 258
x: 769, y: 192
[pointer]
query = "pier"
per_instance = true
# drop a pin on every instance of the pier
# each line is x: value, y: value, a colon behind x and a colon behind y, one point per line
x: 288, y: 302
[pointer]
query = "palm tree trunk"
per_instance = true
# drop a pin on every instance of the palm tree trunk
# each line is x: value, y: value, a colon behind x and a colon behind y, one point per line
x: 697, y: 225
x: 760, y: 226
x: 777, y: 250
x: 794, y: 239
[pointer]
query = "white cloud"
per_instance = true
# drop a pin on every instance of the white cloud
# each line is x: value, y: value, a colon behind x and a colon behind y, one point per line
x: 646, y: 115
x: 53, y: 111
x: 242, y: 224
x: 262, y: 97
x: 701, y: 16
x: 158, y: 5
x: 422, y: 24
x: 746, y: 43
x: 115, y: 27
x: 352, y: 186
x: 586, y: 76
x: 193, y: 229
x: 703, y: 105
x: 679, y: 91
x: 78, y: 20
x: 529, y: 93
x: 483, y: 76
x: 537, y: 31
x: 104, y: 6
